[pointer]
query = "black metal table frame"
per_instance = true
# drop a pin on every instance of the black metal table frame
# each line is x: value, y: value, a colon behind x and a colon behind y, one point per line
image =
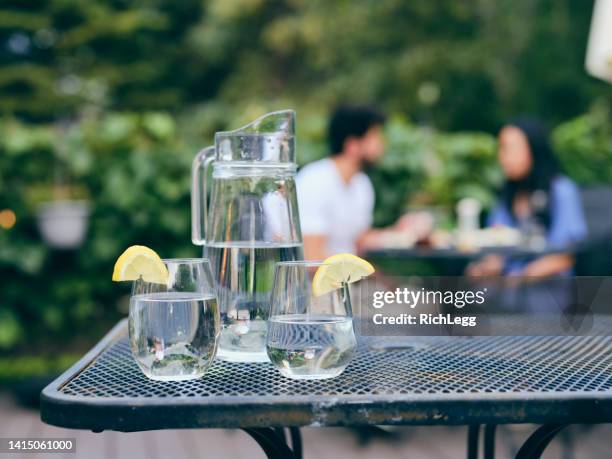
x: 136, y: 414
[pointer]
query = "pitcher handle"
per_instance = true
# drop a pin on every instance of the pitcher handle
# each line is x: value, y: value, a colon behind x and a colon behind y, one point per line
x: 199, y: 200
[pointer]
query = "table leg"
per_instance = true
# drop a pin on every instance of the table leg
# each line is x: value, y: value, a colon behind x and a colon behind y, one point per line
x: 296, y: 442
x: 280, y: 432
x: 538, y: 441
x: 489, y: 441
x: 472, y: 443
x: 274, y: 444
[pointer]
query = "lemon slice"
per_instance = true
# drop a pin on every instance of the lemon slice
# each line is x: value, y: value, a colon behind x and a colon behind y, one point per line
x: 139, y: 261
x: 337, y: 269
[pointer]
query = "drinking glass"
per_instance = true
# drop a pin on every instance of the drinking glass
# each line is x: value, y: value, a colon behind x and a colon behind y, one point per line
x: 309, y: 336
x: 174, y: 327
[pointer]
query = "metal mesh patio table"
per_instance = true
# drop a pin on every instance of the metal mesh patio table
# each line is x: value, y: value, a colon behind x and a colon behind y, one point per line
x: 474, y: 381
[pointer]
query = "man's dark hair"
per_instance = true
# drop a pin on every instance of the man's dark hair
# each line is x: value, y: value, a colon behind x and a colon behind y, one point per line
x: 351, y: 121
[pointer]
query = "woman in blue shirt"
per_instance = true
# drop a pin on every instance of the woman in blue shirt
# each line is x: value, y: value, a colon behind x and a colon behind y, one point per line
x: 535, y: 193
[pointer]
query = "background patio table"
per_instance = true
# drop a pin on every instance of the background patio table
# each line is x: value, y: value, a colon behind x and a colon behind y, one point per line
x: 549, y: 380
x: 443, y: 261
x: 591, y: 256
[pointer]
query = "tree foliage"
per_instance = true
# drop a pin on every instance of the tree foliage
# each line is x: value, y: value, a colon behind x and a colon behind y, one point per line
x: 456, y: 65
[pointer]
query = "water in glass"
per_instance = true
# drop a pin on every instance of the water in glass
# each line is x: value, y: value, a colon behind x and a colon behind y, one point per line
x: 311, y: 347
x: 173, y: 334
x: 310, y: 336
x: 174, y: 326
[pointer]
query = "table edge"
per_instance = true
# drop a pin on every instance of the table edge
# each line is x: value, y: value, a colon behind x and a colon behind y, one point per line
x: 141, y: 413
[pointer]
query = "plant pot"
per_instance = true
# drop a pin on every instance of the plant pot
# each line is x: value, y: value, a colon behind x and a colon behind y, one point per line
x: 63, y: 224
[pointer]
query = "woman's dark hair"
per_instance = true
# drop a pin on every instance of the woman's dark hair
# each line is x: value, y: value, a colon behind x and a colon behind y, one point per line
x: 544, y: 168
x: 351, y: 121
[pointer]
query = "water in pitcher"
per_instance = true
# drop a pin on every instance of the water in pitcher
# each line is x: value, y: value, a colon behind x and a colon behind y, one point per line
x: 245, y: 276
x: 173, y: 334
x: 311, y: 346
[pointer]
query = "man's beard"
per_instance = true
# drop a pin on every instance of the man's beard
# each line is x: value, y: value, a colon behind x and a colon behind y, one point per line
x: 367, y: 165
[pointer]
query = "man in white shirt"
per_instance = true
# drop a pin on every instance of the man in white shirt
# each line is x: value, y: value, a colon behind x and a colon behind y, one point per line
x: 335, y: 198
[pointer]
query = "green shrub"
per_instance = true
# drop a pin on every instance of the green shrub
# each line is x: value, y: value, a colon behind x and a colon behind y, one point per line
x: 584, y: 146
x: 135, y: 171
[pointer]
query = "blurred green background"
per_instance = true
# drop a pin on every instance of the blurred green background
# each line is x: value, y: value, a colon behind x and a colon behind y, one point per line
x: 108, y: 102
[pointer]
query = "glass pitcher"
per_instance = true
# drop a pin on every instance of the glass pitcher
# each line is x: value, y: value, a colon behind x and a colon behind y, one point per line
x: 251, y: 223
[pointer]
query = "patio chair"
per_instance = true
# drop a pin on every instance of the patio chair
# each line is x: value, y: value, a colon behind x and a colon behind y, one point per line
x: 593, y: 256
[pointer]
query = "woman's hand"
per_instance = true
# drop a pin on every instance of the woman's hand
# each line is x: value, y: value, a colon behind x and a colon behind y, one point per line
x: 490, y: 265
x: 548, y: 265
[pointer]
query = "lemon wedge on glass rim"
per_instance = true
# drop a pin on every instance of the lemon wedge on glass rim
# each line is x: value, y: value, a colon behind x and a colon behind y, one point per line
x: 138, y: 262
x: 339, y: 269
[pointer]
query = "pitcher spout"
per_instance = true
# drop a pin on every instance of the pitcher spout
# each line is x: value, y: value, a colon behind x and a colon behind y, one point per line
x: 279, y: 122
x: 270, y: 138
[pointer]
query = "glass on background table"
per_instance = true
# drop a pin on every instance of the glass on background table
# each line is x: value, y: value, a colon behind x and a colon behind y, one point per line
x: 553, y: 381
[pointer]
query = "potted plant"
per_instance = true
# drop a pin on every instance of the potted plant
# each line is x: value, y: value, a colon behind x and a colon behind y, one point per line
x: 63, y: 221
